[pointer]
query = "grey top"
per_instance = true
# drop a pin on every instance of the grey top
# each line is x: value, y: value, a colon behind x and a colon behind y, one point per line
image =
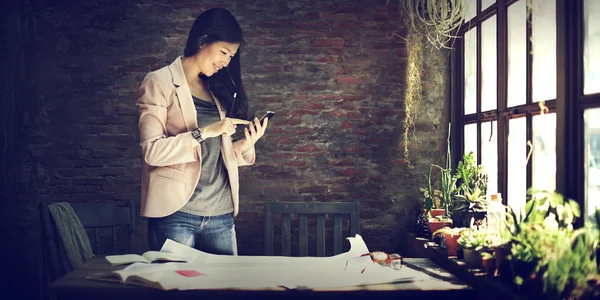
x: 212, y: 196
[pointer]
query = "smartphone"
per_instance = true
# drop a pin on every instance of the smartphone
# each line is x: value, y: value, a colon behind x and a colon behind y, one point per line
x: 269, y: 114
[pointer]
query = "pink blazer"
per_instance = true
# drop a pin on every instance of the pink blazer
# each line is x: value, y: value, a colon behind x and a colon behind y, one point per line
x: 171, y: 156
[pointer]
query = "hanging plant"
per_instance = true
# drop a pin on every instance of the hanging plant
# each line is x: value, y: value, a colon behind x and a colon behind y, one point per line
x: 414, y: 85
x: 438, y: 20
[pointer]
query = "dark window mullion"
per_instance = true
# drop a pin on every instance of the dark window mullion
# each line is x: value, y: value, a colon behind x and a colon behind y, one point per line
x: 569, y: 125
x: 479, y: 84
x: 590, y: 101
x: 502, y: 82
x: 457, y: 84
x: 529, y: 96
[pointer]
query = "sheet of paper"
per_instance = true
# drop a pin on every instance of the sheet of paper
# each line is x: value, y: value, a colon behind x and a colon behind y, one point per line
x: 357, y: 248
x: 125, y: 259
x: 346, y: 269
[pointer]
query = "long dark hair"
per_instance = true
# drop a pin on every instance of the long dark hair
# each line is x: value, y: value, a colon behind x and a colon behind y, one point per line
x: 218, y: 24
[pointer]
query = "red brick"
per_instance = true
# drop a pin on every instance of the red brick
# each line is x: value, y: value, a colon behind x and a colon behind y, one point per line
x: 273, y: 69
x: 348, y: 79
x: 353, y: 97
x: 328, y: 97
x: 286, y: 140
x: 328, y: 42
x: 266, y: 42
x: 353, y: 172
x: 312, y: 105
x: 356, y: 150
x: 308, y: 148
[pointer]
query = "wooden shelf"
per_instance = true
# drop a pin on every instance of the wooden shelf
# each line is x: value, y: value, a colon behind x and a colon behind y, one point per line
x: 489, y: 286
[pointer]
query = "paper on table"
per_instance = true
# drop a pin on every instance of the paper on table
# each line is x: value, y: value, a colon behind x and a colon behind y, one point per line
x: 357, y: 248
x: 346, y: 269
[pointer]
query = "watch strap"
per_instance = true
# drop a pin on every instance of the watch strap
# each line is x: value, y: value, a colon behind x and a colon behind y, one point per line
x: 197, y: 134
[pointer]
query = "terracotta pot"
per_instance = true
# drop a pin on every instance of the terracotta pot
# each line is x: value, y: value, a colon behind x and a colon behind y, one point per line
x: 502, y: 266
x: 435, y: 225
x: 451, y: 243
x: 472, y: 258
x: 437, y: 212
x: 489, y: 265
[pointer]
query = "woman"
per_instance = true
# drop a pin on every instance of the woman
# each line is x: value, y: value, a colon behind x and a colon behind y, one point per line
x: 188, y: 112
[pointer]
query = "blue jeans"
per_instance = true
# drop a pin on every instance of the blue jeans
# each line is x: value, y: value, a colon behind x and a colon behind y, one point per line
x: 214, y: 235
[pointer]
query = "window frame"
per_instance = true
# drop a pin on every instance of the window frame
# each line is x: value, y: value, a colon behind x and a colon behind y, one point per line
x: 569, y: 105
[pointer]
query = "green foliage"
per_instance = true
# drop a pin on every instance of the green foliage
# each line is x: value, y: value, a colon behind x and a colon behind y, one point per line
x: 448, y: 183
x: 438, y: 20
x: 471, y: 185
x: 544, y: 207
x: 479, y: 238
x: 544, y: 246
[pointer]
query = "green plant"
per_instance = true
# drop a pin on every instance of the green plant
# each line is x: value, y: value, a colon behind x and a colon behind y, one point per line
x: 547, y: 255
x: 468, y: 201
x: 448, y: 184
x: 544, y: 207
x: 486, y: 255
x: 479, y: 238
x: 448, y: 230
x: 471, y: 185
x: 471, y: 238
x: 438, y: 20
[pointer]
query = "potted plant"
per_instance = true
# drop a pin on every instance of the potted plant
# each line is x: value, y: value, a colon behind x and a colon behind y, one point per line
x: 470, y: 192
x: 436, y: 203
x: 470, y: 240
x: 547, y: 256
x: 488, y: 262
x: 449, y: 238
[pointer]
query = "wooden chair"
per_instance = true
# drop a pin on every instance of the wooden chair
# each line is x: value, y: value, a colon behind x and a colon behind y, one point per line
x: 94, y: 217
x: 319, y: 209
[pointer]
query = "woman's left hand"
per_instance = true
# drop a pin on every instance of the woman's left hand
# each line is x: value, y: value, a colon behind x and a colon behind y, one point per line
x: 254, y: 133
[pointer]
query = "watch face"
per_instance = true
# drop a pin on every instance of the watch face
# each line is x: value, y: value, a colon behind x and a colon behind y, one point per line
x: 196, y: 133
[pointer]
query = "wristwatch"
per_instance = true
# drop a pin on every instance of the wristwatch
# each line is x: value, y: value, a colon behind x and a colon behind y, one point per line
x: 197, y: 134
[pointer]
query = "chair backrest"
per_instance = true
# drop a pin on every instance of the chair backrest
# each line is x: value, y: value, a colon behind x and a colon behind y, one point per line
x: 98, y: 216
x: 320, y: 210
x: 94, y: 217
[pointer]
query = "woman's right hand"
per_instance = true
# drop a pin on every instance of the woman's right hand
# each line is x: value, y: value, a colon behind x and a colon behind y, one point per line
x: 224, y: 127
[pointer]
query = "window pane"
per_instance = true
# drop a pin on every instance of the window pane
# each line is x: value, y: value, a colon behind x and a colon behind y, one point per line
x: 544, y: 49
x: 517, y: 156
x: 591, y: 48
x: 471, y: 6
x: 517, y: 54
x: 471, y: 139
x: 470, y: 72
x: 544, y: 152
x: 488, y: 64
x: 592, y: 157
x: 489, y: 154
x: 486, y: 3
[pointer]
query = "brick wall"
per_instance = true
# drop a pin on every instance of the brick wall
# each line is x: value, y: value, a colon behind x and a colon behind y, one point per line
x: 331, y: 70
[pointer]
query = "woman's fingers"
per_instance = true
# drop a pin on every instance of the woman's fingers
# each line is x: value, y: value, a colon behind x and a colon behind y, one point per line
x: 238, y: 121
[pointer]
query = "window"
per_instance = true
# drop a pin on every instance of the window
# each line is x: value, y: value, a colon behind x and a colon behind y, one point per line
x: 529, y: 100
x: 590, y: 102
